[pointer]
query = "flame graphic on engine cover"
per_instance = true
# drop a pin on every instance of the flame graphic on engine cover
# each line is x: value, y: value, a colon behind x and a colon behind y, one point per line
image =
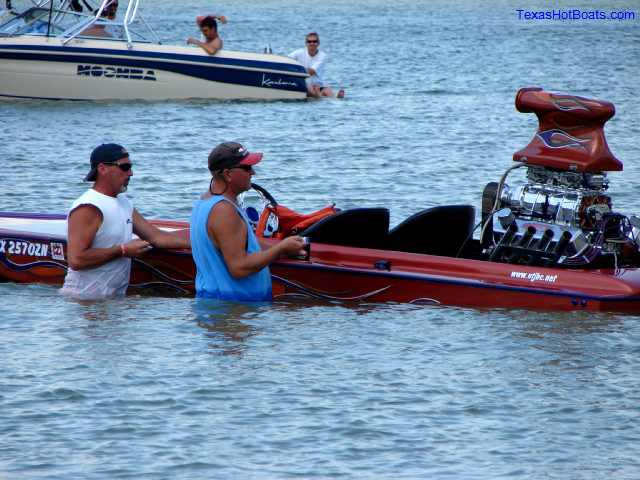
x: 568, y: 104
x: 558, y: 139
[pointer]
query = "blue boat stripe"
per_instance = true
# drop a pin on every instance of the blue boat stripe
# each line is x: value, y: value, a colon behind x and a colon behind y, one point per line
x: 293, y: 69
x: 2, y: 95
x: 207, y: 72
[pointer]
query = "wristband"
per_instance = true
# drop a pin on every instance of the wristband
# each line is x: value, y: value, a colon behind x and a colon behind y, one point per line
x: 122, y: 250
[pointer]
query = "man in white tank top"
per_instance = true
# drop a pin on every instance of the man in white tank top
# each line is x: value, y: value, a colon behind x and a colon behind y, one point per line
x: 100, y: 227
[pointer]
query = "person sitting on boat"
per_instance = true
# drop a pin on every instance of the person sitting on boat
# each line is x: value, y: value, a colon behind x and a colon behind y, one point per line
x: 211, y: 41
x: 230, y: 262
x: 314, y: 60
x: 100, y: 224
x: 109, y: 12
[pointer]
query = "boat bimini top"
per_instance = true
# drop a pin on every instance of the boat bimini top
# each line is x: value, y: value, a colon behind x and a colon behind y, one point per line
x: 68, y: 19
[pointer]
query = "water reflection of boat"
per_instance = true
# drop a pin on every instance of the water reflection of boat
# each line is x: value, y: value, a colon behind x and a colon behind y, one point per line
x: 552, y: 243
x: 51, y: 51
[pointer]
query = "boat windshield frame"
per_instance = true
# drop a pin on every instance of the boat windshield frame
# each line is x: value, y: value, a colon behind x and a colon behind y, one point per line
x: 55, y: 18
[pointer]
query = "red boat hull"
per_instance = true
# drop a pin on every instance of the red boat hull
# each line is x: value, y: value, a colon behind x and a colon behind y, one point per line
x: 344, y: 274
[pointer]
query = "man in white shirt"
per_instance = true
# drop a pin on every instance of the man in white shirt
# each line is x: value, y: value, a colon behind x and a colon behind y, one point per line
x: 313, y: 60
x: 100, y: 227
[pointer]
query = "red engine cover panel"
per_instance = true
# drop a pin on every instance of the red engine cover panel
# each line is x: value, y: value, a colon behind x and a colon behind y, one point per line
x: 571, y: 132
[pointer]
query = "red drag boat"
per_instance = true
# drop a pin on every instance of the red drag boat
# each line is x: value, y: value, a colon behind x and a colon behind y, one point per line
x: 553, y: 243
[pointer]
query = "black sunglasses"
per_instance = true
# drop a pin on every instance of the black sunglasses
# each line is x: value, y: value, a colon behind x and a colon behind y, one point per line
x: 246, y: 168
x: 125, y: 167
x: 313, y: 41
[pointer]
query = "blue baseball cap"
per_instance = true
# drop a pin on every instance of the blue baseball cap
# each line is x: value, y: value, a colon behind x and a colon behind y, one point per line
x: 105, y: 153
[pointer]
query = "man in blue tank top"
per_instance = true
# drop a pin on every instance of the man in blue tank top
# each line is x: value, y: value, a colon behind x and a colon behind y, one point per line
x: 230, y: 262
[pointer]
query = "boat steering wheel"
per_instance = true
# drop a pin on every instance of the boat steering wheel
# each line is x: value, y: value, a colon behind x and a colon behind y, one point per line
x: 265, y: 194
x: 253, y: 202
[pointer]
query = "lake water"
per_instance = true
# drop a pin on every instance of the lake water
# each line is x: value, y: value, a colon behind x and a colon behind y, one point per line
x: 164, y: 388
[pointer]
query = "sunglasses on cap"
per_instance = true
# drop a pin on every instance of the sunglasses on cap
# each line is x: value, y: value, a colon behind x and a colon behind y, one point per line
x: 125, y: 167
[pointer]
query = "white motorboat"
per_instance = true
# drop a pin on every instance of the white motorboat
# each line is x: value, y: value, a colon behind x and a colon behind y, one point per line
x: 51, y: 51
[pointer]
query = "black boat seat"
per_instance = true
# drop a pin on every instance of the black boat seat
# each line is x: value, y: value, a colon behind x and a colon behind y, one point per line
x: 435, y: 231
x: 357, y: 227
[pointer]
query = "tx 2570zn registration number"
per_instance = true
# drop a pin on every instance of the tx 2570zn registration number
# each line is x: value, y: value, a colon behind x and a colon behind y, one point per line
x: 22, y: 247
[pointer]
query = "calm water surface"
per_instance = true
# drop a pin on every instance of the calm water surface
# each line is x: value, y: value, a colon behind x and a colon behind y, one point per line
x: 172, y: 388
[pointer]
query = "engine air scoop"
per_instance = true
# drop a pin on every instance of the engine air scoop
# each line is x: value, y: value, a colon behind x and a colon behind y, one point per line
x: 570, y: 135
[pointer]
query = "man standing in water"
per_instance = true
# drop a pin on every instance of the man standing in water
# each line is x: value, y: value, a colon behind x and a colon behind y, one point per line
x: 100, y: 225
x: 209, y: 29
x: 313, y: 60
x: 231, y: 264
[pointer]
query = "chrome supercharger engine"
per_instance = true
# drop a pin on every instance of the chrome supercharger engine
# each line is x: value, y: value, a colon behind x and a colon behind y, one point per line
x: 562, y: 215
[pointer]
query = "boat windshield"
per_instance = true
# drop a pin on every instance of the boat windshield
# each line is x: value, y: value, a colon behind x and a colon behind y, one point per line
x: 32, y: 21
x: 69, y: 19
